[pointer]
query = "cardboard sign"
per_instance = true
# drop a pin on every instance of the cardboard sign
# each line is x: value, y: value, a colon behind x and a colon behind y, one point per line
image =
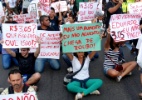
x: 50, y: 45
x: 31, y: 18
x: 19, y: 35
x: 125, y: 27
x: 62, y: 4
x: 135, y: 8
x: 1, y: 10
x: 81, y: 37
x: 19, y: 96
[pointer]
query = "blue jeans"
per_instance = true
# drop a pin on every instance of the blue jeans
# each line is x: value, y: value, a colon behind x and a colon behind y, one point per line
x: 67, y: 60
x: 40, y: 63
x: 6, y: 61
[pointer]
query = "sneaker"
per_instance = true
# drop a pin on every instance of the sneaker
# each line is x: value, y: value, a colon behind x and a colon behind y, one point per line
x: 1, y: 89
x: 118, y: 79
x: 70, y: 70
x: 78, y: 96
x: 96, y: 92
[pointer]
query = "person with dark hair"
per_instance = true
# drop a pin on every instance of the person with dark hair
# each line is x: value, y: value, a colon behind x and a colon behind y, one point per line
x: 81, y: 83
x: 54, y: 20
x: 26, y: 63
x: 40, y: 62
x: 17, y: 86
x: 112, y: 66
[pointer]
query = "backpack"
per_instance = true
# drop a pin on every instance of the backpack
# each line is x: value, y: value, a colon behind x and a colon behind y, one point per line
x: 11, y: 91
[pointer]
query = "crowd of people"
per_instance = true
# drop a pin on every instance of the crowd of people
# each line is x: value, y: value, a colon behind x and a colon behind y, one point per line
x: 28, y: 74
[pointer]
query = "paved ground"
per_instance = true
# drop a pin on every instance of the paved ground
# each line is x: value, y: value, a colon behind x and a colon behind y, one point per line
x: 51, y: 84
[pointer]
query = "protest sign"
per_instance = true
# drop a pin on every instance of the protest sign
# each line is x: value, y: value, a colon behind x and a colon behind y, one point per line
x: 87, y: 11
x: 81, y: 37
x: 44, y: 5
x: 62, y: 4
x: 19, y: 96
x: 1, y: 10
x: 125, y: 27
x: 135, y: 8
x: 31, y: 18
x: 19, y: 35
x: 50, y: 45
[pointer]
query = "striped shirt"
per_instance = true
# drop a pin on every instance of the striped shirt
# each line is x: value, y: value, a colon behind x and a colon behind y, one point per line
x: 113, y: 55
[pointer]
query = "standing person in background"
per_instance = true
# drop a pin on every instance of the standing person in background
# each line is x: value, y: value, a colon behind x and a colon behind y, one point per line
x: 112, y: 7
x: 12, y: 6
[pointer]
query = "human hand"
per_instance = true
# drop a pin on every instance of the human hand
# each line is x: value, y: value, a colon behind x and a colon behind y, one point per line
x: 38, y: 40
x: 120, y: 2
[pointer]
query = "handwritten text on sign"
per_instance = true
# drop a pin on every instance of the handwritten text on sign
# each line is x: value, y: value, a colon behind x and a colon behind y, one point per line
x: 81, y: 37
x: 62, y: 4
x: 19, y: 96
x: 135, y: 8
x: 50, y: 45
x: 44, y: 5
x: 31, y: 18
x: 19, y: 35
x: 87, y: 11
x: 125, y: 27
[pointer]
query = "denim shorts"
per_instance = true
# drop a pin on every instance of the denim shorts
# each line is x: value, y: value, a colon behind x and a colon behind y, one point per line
x: 106, y: 68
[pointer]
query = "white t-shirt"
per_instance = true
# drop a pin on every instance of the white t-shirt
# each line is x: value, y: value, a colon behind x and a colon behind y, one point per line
x: 84, y: 73
x: 12, y: 3
x: 139, y: 58
x: 139, y: 42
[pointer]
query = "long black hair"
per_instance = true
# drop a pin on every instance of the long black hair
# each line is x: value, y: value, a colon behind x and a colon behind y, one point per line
x: 85, y: 54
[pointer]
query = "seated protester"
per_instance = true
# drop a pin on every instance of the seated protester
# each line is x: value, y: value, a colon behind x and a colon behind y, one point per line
x: 112, y: 54
x: 81, y: 83
x: 17, y: 86
x: 54, y: 20
x: 26, y: 64
x: 40, y: 62
x: 7, y: 59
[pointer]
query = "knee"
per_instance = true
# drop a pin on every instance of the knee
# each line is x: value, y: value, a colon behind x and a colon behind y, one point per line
x: 100, y: 82
x: 37, y: 76
x: 6, y: 66
x: 55, y: 66
x: 113, y: 73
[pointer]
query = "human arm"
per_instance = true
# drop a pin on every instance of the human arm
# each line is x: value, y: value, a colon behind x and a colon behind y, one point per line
x: 36, y: 53
x: 70, y: 56
x: 9, y: 51
x: 60, y: 14
x: 107, y: 42
x: 116, y: 7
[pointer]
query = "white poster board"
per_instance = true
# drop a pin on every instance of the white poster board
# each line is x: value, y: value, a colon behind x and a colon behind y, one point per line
x: 19, y: 96
x: 31, y: 18
x: 125, y: 27
x: 135, y: 8
x: 19, y: 35
x: 50, y: 45
x: 87, y: 11
x: 26, y: 3
x: 62, y: 4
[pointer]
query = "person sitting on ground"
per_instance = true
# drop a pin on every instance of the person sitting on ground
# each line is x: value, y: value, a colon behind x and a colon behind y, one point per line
x: 81, y: 83
x: 17, y: 86
x: 26, y: 64
x: 112, y: 54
